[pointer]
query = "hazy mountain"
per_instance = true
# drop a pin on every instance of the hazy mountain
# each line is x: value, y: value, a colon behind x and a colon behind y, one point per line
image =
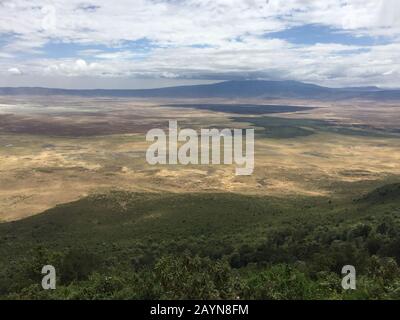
x: 228, y: 89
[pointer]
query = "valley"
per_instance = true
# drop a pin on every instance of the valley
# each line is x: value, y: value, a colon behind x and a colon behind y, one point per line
x: 95, y: 145
x: 76, y: 190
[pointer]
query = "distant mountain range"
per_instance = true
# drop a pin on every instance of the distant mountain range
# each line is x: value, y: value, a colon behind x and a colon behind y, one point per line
x: 227, y: 89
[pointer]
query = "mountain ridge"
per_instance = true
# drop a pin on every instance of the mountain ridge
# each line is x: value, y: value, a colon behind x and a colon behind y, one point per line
x: 226, y: 89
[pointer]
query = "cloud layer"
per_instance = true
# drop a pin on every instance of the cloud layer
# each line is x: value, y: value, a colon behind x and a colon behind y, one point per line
x: 201, y: 40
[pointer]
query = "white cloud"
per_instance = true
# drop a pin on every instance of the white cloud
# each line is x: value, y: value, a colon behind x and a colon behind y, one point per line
x: 14, y: 71
x: 72, y: 68
x: 202, y: 38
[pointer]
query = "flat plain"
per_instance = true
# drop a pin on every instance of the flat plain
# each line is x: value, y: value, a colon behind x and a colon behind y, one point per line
x: 54, y: 150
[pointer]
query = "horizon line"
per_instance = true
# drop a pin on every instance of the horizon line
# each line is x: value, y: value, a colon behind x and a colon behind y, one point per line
x: 195, y: 85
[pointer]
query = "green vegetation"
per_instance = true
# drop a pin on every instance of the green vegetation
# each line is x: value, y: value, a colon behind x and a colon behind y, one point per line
x: 284, y: 128
x: 208, y: 246
x: 242, y: 108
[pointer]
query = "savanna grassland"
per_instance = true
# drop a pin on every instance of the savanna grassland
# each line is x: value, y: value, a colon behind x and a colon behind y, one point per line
x: 76, y: 192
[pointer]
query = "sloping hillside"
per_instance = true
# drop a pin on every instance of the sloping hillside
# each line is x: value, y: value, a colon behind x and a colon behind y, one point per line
x: 102, y: 245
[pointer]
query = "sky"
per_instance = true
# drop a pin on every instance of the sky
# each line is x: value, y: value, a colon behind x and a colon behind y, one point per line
x: 156, y: 43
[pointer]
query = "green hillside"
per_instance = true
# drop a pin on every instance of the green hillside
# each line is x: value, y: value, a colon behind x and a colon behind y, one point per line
x: 142, y: 245
x: 388, y: 193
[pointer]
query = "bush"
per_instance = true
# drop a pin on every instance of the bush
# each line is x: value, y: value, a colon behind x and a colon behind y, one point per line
x: 189, y: 277
x: 77, y: 265
x: 280, y: 282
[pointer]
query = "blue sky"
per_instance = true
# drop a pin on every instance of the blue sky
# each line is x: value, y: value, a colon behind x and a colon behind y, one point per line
x: 147, y: 43
x: 58, y: 49
x: 311, y: 34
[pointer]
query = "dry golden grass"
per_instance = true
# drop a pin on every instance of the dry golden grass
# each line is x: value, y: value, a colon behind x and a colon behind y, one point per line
x: 38, y: 172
